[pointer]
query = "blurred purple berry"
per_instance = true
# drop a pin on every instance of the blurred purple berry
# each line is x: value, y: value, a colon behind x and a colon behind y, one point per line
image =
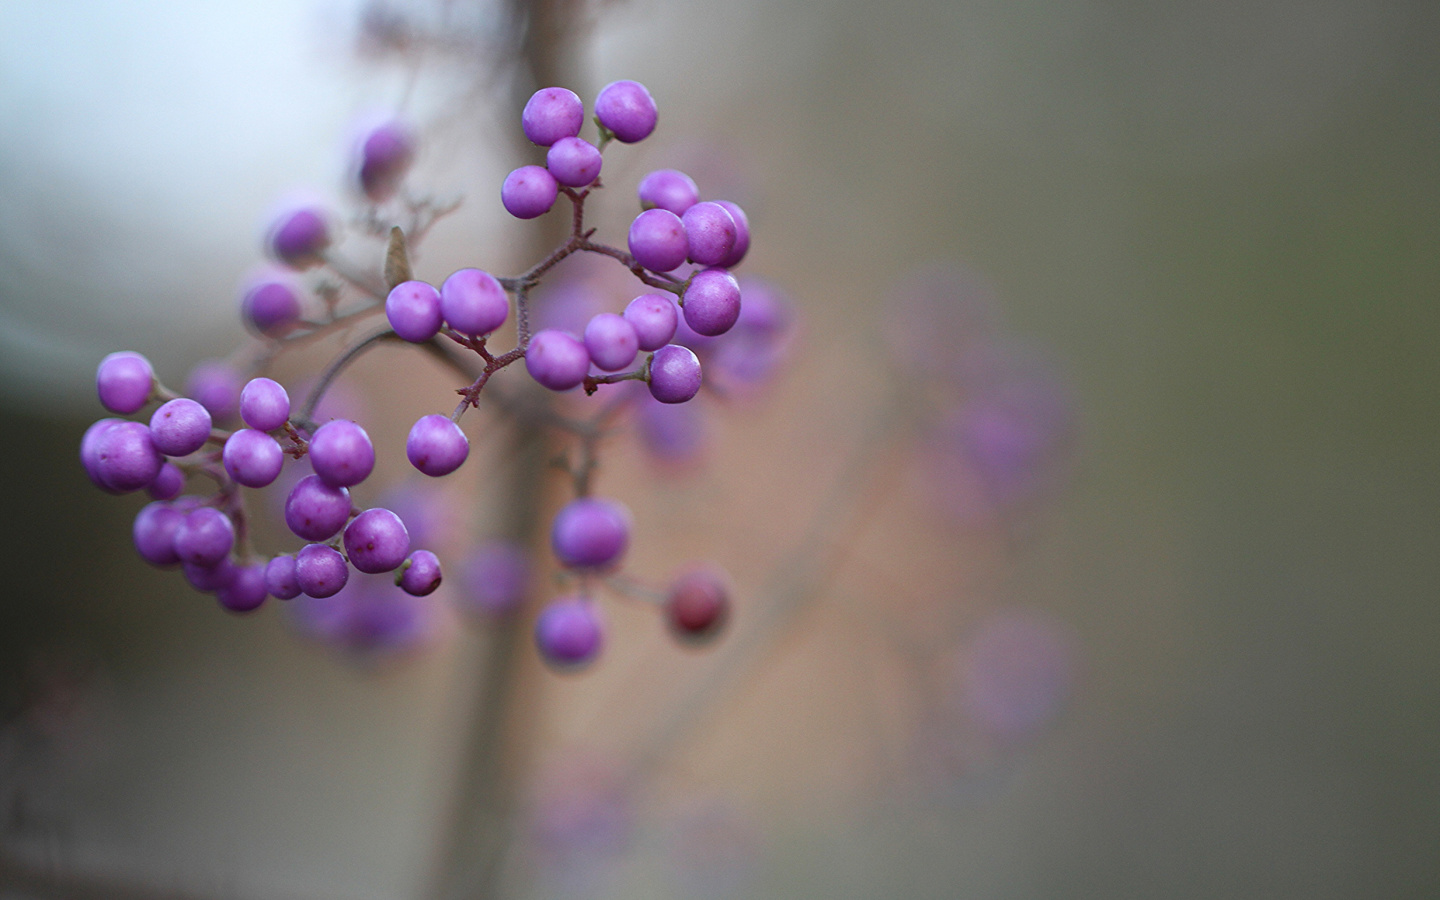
x: 299, y: 238
x: 385, y: 157
x: 204, y: 537
x: 697, y: 605
x: 496, y: 578
x: 280, y: 578
x: 168, y: 483
x: 154, y: 534
x: 590, y: 533
x: 123, y: 457
x: 245, y: 591
x: 568, y: 632
x: 270, y: 308
x: 216, y: 385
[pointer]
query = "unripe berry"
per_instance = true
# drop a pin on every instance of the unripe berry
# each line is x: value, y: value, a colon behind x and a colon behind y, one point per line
x: 697, y: 605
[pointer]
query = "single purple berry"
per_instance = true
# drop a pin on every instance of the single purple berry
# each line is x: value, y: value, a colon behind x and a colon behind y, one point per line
x: 653, y: 317
x: 710, y: 233
x: 376, y: 541
x: 421, y: 575
x: 90, y: 453
x: 496, y: 578
x: 611, y: 342
x: 551, y: 114
x: 245, y: 591
x: 557, y: 359
x: 473, y: 302
x: 657, y: 240
x: 436, y: 445
x: 168, y: 483
x: 216, y: 385
x: 209, y: 578
x: 280, y: 578
x: 180, y: 426
x: 253, y: 458
x: 674, y: 374
x: 299, y: 238
x: 341, y: 453
x: 315, y: 510
x: 320, y: 570
x: 264, y: 404
x: 742, y: 234
x: 575, y: 162
x: 413, y: 308
x: 123, y: 381
x: 712, y: 302
x: 627, y: 110
x: 568, y: 632
x: 123, y: 457
x: 270, y: 308
x: 697, y: 605
x: 668, y: 189
x: 529, y: 191
x: 204, y: 537
x: 590, y: 533
x: 385, y: 157
x: 154, y: 534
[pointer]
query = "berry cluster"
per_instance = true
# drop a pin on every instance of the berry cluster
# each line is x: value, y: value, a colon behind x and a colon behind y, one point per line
x: 680, y: 248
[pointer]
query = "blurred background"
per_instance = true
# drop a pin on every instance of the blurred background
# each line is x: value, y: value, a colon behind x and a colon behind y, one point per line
x: 1086, y: 544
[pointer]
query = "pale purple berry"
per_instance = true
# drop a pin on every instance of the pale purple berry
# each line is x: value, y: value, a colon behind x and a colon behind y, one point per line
x: 436, y: 445
x: 253, y: 458
x: 299, y: 238
x: 575, y: 162
x: 590, y: 533
x: 421, y: 575
x: 180, y: 426
x: 245, y: 591
x: 341, y: 453
x: 216, y: 385
x: 674, y: 374
x: 320, y: 570
x: 668, y: 189
x: 742, y: 234
x: 557, y: 360
x: 315, y: 510
x: 569, y: 632
x: 496, y: 578
x: 123, y: 457
x: 413, y: 308
x: 280, y: 578
x: 204, y: 537
x: 270, y: 308
x: 264, y: 404
x: 551, y: 114
x: 709, y: 232
x: 627, y: 110
x: 154, y: 534
x: 90, y: 453
x: 123, y: 381
x: 653, y: 317
x: 712, y: 302
x: 529, y: 191
x: 657, y: 240
x: 168, y: 483
x: 611, y: 342
x: 473, y: 302
x: 376, y: 541
x: 385, y: 157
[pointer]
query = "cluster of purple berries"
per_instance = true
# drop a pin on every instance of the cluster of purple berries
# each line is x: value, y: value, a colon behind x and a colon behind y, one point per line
x: 671, y: 324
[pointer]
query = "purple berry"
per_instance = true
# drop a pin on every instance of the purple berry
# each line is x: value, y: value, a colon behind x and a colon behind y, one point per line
x: 168, y: 483
x: 473, y: 302
x: 123, y: 457
x: 590, y: 533
x: 209, y: 578
x: 742, y: 234
x: 710, y: 233
x: 264, y: 404
x: 436, y: 445
x: 627, y: 110
x: 529, y: 191
x: 653, y: 317
x: 217, y: 386
x: 180, y: 427
x: 385, y: 157
x: 497, y: 576
x: 154, y: 534
x: 657, y: 240
x: 204, y: 537
x: 253, y: 458
x: 611, y: 342
x: 270, y: 308
x: 413, y: 308
x: 299, y: 238
x: 376, y: 541
x: 697, y: 605
x: 245, y: 591
x: 90, y: 452
x: 557, y: 359
x: 712, y: 302
x: 315, y: 510
x: 280, y: 578
x: 320, y: 571
x: 421, y: 575
x: 123, y: 381
x: 341, y: 453
x: 668, y: 189
x: 551, y: 114
x: 568, y: 632
x: 673, y: 434
x: 575, y: 162
x: 674, y: 374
